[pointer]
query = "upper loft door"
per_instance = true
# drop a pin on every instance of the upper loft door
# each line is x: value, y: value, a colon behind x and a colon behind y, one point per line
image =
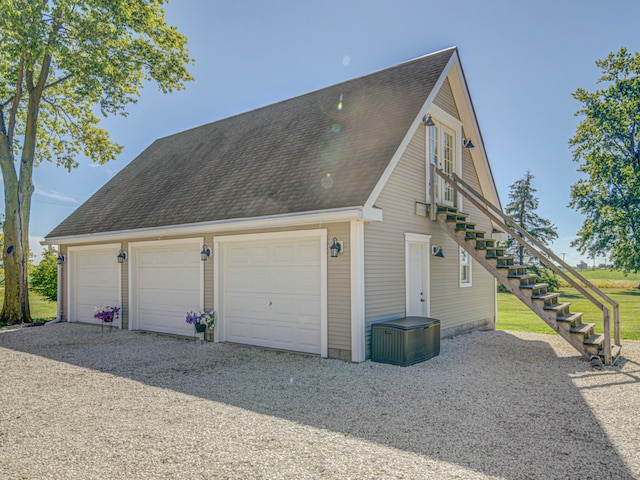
x: 445, y: 152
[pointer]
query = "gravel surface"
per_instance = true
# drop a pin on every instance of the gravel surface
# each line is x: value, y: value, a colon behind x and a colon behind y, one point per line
x: 79, y: 404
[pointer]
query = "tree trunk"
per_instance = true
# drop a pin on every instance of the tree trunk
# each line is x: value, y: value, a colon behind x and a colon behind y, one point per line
x: 15, y: 308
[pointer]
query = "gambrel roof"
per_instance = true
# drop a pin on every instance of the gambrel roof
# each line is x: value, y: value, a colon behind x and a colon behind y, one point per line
x: 320, y: 151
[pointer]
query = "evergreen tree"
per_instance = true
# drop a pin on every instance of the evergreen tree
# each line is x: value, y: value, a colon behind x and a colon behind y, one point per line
x: 522, y: 208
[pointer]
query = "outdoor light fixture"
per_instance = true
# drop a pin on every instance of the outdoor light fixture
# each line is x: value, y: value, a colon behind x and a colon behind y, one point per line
x: 122, y: 257
x: 205, y: 253
x: 60, y: 259
x: 336, y: 248
x: 467, y: 143
x: 428, y: 121
x: 436, y: 251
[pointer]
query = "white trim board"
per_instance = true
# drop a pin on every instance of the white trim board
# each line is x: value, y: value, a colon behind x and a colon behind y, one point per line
x: 370, y: 214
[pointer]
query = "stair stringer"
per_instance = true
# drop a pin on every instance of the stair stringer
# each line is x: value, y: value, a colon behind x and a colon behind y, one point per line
x: 502, y: 275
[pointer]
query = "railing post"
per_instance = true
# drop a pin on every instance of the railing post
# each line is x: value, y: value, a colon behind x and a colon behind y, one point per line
x: 616, y: 325
x: 607, y: 336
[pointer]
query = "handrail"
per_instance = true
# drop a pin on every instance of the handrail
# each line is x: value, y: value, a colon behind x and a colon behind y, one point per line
x: 507, y: 222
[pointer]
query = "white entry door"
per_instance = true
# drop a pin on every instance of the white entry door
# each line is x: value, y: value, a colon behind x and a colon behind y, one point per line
x: 271, y: 293
x: 166, y: 283
x: 94, y: 281
x: 417, y: 275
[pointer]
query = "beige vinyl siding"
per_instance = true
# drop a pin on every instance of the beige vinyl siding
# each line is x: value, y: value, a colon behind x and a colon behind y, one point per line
x: 339, y: 290
x: 384, y: 241
x: 338, y: 280
x: 385, y: 296
x: 445, y: 100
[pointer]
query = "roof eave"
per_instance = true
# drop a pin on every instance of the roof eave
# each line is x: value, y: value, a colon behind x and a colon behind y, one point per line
x: 367, y: 214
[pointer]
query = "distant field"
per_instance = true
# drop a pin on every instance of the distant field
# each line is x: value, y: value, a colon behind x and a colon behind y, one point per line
x: 514, y: 315
x: 602, y: 278
x: 41, y: 308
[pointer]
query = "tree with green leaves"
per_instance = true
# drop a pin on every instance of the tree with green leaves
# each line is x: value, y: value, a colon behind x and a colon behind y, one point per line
x: 44, y: 277
x: 522, y: 208
x: 63, y: 64
x: 607, y: 147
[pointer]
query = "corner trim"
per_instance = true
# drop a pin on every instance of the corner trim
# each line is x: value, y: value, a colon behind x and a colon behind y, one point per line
x: 358, y: 351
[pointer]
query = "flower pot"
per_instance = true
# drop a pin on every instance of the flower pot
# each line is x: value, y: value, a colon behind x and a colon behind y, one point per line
x: 200, y: 327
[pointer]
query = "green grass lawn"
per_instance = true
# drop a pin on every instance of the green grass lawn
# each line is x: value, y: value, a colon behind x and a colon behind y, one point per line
x: 41, y: 308
x: 603, y: 278
x: 514, y: 315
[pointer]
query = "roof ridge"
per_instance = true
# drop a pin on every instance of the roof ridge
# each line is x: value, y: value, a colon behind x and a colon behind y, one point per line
x: 311, y: 92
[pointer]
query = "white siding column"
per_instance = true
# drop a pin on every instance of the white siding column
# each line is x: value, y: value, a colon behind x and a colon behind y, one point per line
x: 59, y: 294
x: 358, y: 350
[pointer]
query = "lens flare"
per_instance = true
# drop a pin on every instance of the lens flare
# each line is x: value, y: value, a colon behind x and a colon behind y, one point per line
x: 327, y: 181
x: 346, y: 60
x: 340, y: 103
x: 336, y: 127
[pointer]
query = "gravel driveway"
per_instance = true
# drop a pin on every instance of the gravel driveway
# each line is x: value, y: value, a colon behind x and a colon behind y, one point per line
x: 78, y: 404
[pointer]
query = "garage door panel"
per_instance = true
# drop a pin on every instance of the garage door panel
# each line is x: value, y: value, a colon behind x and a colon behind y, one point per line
x: 95, y: 281
x: 247, y: 279
x: 271, y: 293
x: 168, y: 283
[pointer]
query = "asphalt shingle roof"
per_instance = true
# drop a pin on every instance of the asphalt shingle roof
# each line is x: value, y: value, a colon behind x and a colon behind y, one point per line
x: 301, y: 154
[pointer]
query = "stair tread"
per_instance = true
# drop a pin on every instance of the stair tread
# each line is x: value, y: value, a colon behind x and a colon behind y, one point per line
x: 546, y: 296
x: 535, y: 285
x: 595, y: 339
x: 557, y: 306
x: 570, y: 317
x: 583, y: 328
x: 524, y: 276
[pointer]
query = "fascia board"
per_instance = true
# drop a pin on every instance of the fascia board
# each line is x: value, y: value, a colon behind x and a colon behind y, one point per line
x: 276, y: 221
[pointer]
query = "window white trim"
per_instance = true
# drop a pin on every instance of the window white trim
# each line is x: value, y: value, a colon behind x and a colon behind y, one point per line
x: 462, y: 264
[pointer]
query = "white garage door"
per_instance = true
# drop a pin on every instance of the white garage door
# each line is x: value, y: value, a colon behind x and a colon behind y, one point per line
x: 94, y: 280
x: 272, y: 294
x: 167, y: 283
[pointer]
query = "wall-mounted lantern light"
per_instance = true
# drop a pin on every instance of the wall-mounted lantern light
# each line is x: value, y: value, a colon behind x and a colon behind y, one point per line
x: 467, y: 143
x: 428, y: 121
x: 205, y: 253
x: 60, y: 259
x: 336, y: 247
x: 436, y: 251
x: 122, y: 256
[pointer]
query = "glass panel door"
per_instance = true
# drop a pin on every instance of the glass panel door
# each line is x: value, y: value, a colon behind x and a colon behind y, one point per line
x: 448, y: 163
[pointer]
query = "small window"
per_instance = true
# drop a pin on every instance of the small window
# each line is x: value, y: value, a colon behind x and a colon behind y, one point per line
x: 465, y: 268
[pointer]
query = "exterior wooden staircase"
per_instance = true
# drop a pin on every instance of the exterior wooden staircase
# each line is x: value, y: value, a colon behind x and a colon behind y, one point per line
x: 521, y: 282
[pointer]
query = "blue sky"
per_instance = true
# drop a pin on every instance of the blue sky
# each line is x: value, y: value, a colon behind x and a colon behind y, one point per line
x: 522, y: 61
